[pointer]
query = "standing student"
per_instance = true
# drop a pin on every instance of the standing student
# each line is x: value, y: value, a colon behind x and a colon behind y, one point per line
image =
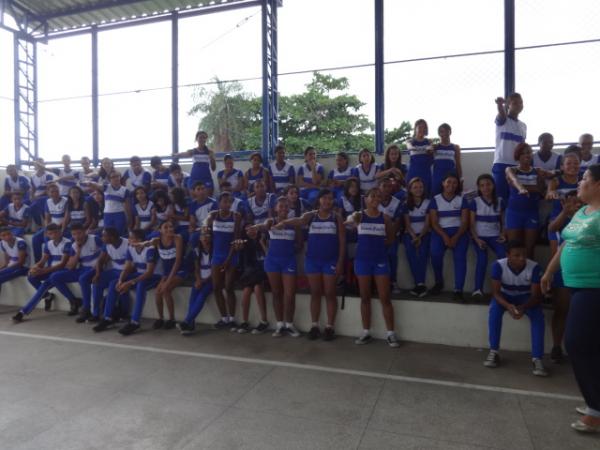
x: 202, y: 286
x: 586, y: 142
x: 446, y: 158
x: 324, y: 262
x: 449, y: 217
x: 137, y: 175
x: 392, y: 167
x: 15, y: 256
x: 366, y: 170
x: 87, y: 176
x: 160, y: 175
x: 14, y: 183
x: 516, y: 289
x: 239, y: 205
x: 510, y: 132
x: 231, y: 175
x: 56, y: 254
x: 371, y: 264
x: 421, y: 155
x: 392, y: 207
x: 417, y: 236
x: 224, y: 225
x: 138, y: 272
x: 39, y: 193
x: 349, y: 203
x: 527, y: 188
x: 545, y: 158
x: 199, y: 209
x: 487, y: 227
x: 338, y: 176
x: 178, y: 178
x: 106, y: 168
x: 280, y: 266
x: 162, y: 209
x: 180, y: 214
x: 204, y: 162
x: 309, y: 176
x: 16, y: 215
x: 261, y: 204
x: 254, y: 173
x: 55, y: 211
x: 67, y: 176
x: 283, y: 173
x: 144, y: 213
x: 76, y: 212
x: 117, y: 207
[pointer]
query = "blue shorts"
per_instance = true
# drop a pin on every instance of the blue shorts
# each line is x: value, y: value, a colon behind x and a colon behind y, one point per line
x: 314, y: 267
x: 284, y: 265
x: 218, y: 259
x: 522, y: 220
x: 364, y: 268
x: 554, y: 235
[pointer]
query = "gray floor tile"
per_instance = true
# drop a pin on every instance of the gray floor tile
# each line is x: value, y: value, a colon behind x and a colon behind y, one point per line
x: 378, y: 440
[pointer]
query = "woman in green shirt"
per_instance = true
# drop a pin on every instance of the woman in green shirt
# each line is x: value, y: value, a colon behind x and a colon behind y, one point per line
x: 579, y: 259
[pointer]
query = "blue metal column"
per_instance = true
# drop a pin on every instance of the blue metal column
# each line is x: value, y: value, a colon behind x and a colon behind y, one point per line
x: 175, y: 81
x: 95, y: 110
x: 379, y: 80
x: 509, y: 47
x: 16, y: 101
x: 270, y: 113
x: 35, y: 102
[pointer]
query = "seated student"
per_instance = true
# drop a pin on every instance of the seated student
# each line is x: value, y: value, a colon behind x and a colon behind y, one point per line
x: 261, y: 204
x: 56, y: 213
x: 516, y: 289
x: 297, y: 205
x: 56, y: 254
x: 586, y: 143
x: 446, y: 158
x: 348, y: 203
x: 309, y: 176
x: 137, y: 175
x: 392, y: 167
x: 366, y: 170
x: 117, y: 207
x: 487, y: 227
x: 392, y: 207
x: 545, y: 158
x: 144, y: 213
x: 204, y: 163
x: 87, y: 175
x: 106, y: 168
x: 200, y: 207
x: 421, y: 155
x: 76, y: 212
x: 139, y: 273
x: 449, y: 218
x: 16, y: 215
x: 163, y: 210
x: 39, y: 193
x: 15, y: 256
x: 417, y: 236
x: 67, y: 177
x: 180, y: 213
x: 178, y: 178
x: 14, y: 183
x: 338, y: 176
x: 94, y: 209
x: 160, y: 175
x: 202, y: 287
x: 254, y: 173
x: 231, y: 175
x: 239, y: 206
x: 283, y: 173
x: 108, y: 268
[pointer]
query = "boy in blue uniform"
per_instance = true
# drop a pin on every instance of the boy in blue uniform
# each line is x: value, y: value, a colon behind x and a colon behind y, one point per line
x: 516, y: 289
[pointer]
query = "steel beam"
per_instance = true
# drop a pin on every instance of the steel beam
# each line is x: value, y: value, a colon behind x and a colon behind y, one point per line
x: 509, y: 47
x: 175, y: 81
x: 95, y: 108
x: 379, y: 80
x: 270, y: 112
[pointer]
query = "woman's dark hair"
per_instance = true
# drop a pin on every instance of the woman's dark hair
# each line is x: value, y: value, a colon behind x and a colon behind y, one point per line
x: 279, y: 147
x: 594, y: 171
x: 255, y: 154
x: 343, y: 155
x: 77, y: 227
x: 229, y: 156
x: 155, y: 161
x: 445, y: 126
x: 308, y: 149
x: 420, y: 122
x: 81, y: 197
x: 139, y: 234
x: 573, y: 148
x: 135, y: 159
x: 160, y: 194
x: 453, y: 174
x: 199, y: 132
x: 387, y: 163
x: 520, y: 149
x: 296, y: 207
x: 410, y: 199
x: 356, y: 200
x: 112, y: 232
x: 53, y: 227
x: 323, y: 192
x: 511, y: 245
x: 174, y: 167
x: 366, y: 150
x: 178, y: 195
x: 102, y: 173
x: 488, y: 177
x: 222, y: 195
x: 135, y: 191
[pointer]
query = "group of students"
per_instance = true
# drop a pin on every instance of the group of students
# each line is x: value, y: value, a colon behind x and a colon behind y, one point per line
x: 139, y: 230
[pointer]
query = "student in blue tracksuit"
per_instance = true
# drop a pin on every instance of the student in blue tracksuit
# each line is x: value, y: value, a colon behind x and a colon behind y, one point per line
x: 55, y: 211
x: 446, y: 158
x: 76, y: 212
x: 144, y: 214
x: 137, y: 273
x: 338, y: 176
x: 94, y: 206
x: 254, y: 173
x: 261, y: 204
x: 108, y: 268
x: 117, y: 206
x: 178, y: 178
x: 15, y: 256
x: 180, y: 213
x: 280, y: 266
x: 324, y: 262
x: 371, y: 264
x: 510, y: 132
x: 417, y: 236
x: 202, y: 287
x: 200, y: 206
x: 204, y: 163
x: 39, y: 193
x: 67, y: 177
x: 545, y: 158
x: 392, y: 207
x: 231, y: 175
x: 225, y: 226
x: 16, y: 215
x: 54, y: 258
x: 160, y: 175
x: 516, y: 289
x: 283, y: 173
x: 136, y: 175
x: 449, y: 216
x: 14, y: 183
x: 487, y: 227
x: 366, y: 170
x: 309, y: 176
x: 421, y: 155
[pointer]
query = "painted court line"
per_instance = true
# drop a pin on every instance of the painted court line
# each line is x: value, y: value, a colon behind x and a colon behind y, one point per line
x: 291, y: 365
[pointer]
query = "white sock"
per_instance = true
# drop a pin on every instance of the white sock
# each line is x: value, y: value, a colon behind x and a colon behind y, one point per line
x: 366, y: 332
x: 390, y: 333
x: 289, y: 324
x: 231, y: 319
x: 225, y: 319
x: 279, y: 324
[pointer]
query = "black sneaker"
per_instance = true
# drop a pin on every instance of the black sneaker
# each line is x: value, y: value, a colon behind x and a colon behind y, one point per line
x: 221, y: 324
x: 74, y: 310
x: 48, y: 301
x: 314, y: 334
x: 170, y: 324
x: 436, y: 289
x: 18, y: 317
x: 129, y: 328
x: 419, y: 291
x: 232, y: 325
x: 93, y: 319
x: 458, y: 296
x: 103, y: 325
x: 363, y: 339
x: 492, y: 360
x: 261, y: 328
x: 158, y: 324
x: 185, y: 328
x: 243, y: 328
x: 556, y: 355
x: 328, y: 334
x: 83, y: 317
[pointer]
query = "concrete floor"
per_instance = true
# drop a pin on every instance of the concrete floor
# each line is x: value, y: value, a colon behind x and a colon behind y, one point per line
x: 63, y: 387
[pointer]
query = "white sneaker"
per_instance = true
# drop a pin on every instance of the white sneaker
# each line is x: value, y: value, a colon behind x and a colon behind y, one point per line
x: 396, y: 289
x: 278, y: 331
x: 478, y: 293
x: 393, y: 341
x: 538, y: 368
x: 492, y: 360
x: 291, y: 330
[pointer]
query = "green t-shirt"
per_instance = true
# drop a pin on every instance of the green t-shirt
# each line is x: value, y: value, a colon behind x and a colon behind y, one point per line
x: 580, y: 257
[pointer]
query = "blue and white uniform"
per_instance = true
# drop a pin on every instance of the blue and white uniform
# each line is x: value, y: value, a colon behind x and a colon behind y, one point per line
x: 522, y: 211
x: 420, y: 162
x: 444, y: 161
x: 488, y: 228
x: 201, y: 210
x: 366, y: 178
x: 114, y: 208
x: 235, y: 178
x: 595, y: 159
x: 550, y: 164
x: 117, y: 255
x: 509, y: 133
x: 347, y: 209
x: 161, y: 176
x: 65, y: 185
x: 198, y: 296
x: 223, y: 233
x: 76, y: 213
x: 11, y: 253
x: 417, y: 256
x: 516, y: 289
x: 144, y: 214
x: 253, y: 178
x: 21, y: 184
x: 371, y: 253
x: 322, y: 249
x: 201, y: 168
x: 393, y: 210
x: 449, y: 212
x: 309, y: 194
x: 39, y: 185
x: 142, y: 179
x: 339, y: 175
x: 167, y: 256
x: 14, y: 215
x: 562, y: 189
x: 282, y: 176
x: 56, y: 211
x: 259, y: 212
x: 281, y: 256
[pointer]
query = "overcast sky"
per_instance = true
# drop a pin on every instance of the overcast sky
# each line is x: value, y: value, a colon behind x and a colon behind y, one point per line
x: 559, y: 84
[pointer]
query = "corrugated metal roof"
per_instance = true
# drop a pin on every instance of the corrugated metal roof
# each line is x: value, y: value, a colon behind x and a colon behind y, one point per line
x: 72, y: 14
